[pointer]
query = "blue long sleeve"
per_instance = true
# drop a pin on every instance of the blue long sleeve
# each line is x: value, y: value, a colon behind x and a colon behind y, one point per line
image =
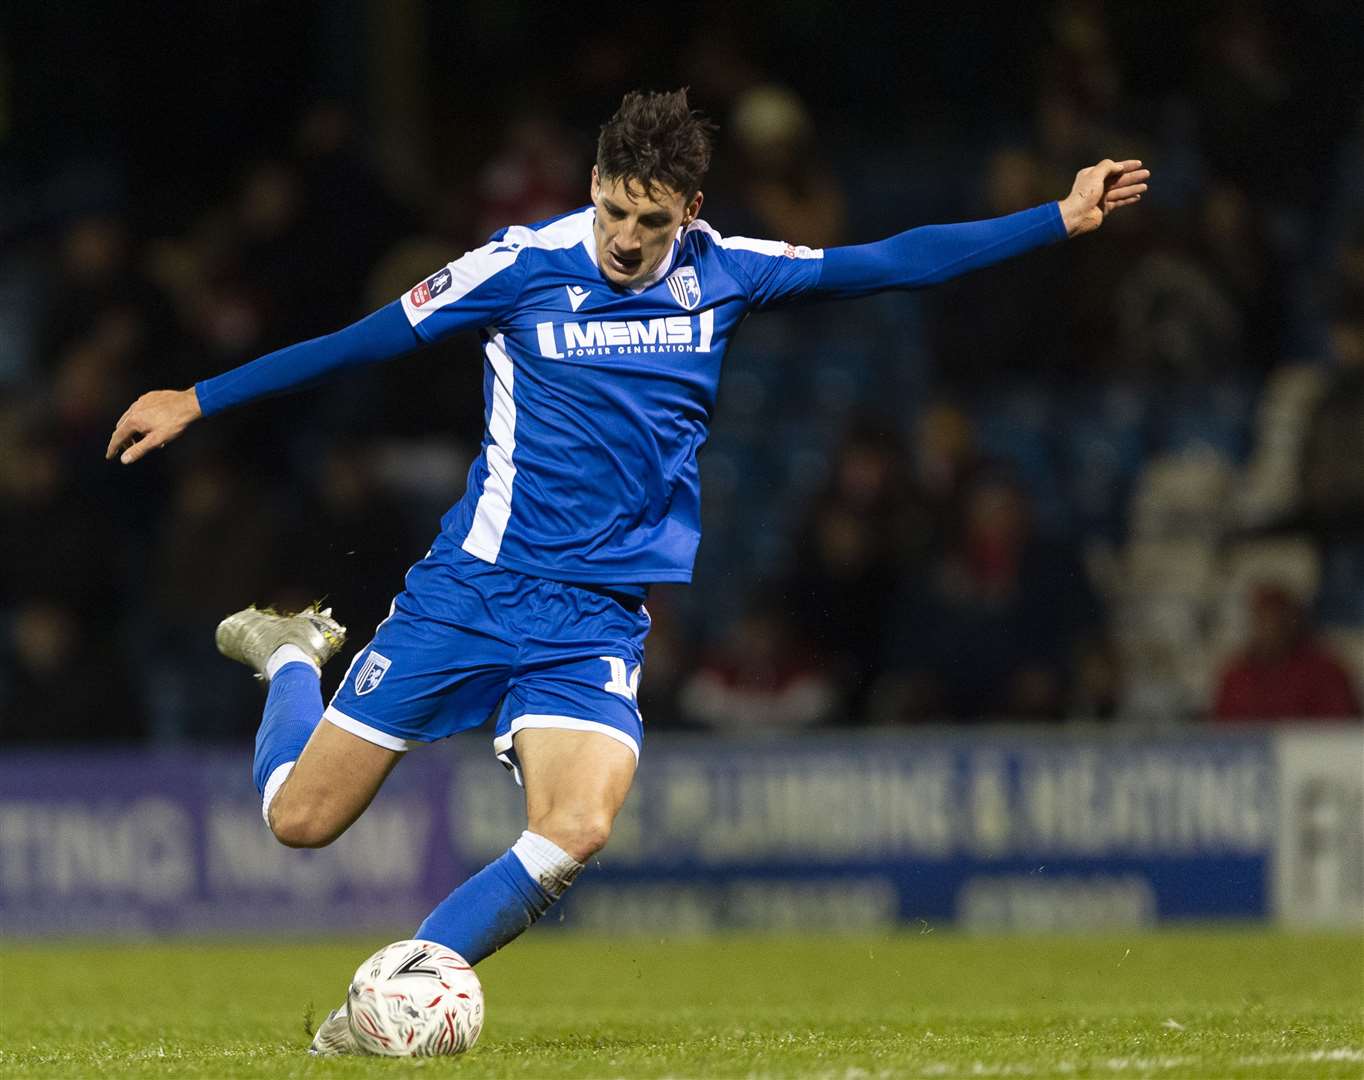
x: 935, y: 253
x: 384, y: 335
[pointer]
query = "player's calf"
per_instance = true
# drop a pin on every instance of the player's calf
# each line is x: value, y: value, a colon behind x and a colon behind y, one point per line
x: 314, y: 779
x: 502, y: 900
x: 575, y: 784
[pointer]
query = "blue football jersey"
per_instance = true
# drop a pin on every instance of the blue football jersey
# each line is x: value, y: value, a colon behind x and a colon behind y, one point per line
x: 597, y: 398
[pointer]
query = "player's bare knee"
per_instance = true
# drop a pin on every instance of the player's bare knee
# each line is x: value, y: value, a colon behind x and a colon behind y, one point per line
x: 302, y: 834
x: 580, y: 834
x: 294, y: 826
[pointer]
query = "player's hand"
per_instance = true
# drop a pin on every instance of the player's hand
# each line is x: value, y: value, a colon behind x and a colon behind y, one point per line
x: 1099, y: 190
x: 152, y: 421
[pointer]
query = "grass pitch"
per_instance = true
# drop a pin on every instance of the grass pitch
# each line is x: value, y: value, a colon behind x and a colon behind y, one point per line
x: 1221, y: 1004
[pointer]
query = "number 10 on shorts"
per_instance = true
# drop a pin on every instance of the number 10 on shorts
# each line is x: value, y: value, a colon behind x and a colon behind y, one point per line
x: 623, y: 681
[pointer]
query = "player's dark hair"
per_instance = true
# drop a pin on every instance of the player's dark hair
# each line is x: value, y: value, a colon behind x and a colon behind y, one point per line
x: 656, y: 139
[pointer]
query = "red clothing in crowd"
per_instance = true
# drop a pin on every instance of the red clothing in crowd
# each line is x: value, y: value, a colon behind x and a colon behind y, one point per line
x: 1307, y: 683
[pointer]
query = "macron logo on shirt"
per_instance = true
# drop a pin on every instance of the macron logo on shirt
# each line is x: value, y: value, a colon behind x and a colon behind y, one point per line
x: 576, y: 295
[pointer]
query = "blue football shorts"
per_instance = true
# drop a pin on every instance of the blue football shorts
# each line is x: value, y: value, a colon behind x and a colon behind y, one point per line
x: 466, y: 639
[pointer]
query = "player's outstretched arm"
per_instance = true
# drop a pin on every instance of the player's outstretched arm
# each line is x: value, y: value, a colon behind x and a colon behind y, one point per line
x: 1099, y: 190
x: 477, y: 289
x: 156, y: 418
x: 932, y: 254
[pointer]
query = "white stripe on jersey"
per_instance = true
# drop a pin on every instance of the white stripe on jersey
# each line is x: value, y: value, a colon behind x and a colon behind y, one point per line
x: 467, y: 273
x: 494, y: 504
x: 564, y: 233
x: 774, y: 248
x: 475, y: 267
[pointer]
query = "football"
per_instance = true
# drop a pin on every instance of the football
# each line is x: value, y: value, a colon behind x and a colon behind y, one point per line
x: 415, y: 998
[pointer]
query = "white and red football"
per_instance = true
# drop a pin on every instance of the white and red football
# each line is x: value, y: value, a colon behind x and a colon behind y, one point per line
x: 415, y: 998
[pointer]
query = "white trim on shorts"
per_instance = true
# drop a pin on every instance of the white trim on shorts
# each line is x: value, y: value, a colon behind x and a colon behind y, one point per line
x: 365, y: 731
x: 502, y: 744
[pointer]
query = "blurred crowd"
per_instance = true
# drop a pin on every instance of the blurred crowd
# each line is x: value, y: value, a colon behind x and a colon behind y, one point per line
x: 1119, y: 479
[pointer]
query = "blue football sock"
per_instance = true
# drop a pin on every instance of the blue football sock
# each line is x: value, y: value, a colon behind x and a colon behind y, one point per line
x: 502, y: 900
x: 292, y: 709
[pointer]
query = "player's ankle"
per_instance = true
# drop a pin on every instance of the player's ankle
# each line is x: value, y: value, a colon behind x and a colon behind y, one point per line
x: 273, y: 783
x: 289, y: 654
x: 547, y: 863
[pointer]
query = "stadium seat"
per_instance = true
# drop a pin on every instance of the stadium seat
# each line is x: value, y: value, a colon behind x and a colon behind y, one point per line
x: 1182, y: 495
x: 1269, y: 490
x: 1018, y: 428
x: 1341, y: 599
x: 1218, y: 417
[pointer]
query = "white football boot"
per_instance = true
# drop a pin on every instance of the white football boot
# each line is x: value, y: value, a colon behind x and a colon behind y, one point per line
x: 252, y: 635
x: 334, y: 1036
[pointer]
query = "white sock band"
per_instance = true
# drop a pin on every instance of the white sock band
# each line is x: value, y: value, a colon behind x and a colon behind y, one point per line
x: 547, y: 863
x: 276, y: 780
x: 289, y: 654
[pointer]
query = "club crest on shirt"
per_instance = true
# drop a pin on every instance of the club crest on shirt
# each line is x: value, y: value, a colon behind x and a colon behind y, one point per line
x: 685, y: 287
x: 371, y: 672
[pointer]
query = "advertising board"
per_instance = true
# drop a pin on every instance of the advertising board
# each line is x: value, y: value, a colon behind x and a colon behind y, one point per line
x: 988, y: 830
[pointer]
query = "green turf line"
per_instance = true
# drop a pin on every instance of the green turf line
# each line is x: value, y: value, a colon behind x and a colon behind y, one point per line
x: 1241, y: 1003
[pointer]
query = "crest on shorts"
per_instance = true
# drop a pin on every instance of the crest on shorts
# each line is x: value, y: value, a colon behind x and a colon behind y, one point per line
x: 685, y: 286
x: 371, y: 672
